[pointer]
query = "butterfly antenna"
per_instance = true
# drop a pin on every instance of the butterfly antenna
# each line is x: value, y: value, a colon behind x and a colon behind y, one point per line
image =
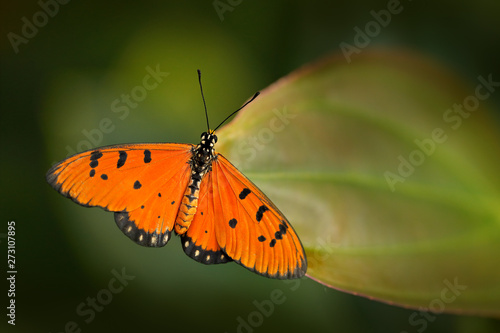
x: 251, y: 99
x: 203, y: 97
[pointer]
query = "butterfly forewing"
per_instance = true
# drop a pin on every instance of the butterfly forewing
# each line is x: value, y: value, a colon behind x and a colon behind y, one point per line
x: 143, y: 183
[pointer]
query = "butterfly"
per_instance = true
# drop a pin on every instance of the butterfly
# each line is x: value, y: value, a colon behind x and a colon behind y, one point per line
x: 155, y: 189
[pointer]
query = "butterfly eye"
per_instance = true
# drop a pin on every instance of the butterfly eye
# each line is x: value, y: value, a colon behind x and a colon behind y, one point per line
x: 215, y: 138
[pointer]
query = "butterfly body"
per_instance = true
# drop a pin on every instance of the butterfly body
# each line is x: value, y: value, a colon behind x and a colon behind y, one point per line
x: 157, y: 188
x: 200, y: 162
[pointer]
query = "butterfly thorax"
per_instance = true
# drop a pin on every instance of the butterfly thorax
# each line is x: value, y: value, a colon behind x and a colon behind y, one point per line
x: 201, y: 163
x: 204, y: 153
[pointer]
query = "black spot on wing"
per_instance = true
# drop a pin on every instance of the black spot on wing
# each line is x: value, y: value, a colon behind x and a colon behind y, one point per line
x: 244, y: 193
x: 137, y: 185
x: 282, y: 230
x: 122, y: 159
x: 92, y: 173
x: 272, y: 243
x: 104, y: 176
x: 95, y: 155
x: 283, y: 227
x: 261, y: 238
x: 147, y: 156
x: 260, y: 212
x: 142, y: 207
x: 172, y: 202
x: 159, y: 194
x: 232, y: 223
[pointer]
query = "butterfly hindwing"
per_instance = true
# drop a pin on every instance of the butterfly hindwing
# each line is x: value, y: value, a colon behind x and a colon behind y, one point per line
x: 141, y: 183
x: 200, y: 242
x: 249, y: 229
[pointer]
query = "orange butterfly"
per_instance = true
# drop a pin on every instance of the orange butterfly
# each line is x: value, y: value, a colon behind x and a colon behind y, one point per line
x: 155, y: 188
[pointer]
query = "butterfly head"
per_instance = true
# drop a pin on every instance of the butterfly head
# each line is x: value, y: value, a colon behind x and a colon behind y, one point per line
x: 205, y: 151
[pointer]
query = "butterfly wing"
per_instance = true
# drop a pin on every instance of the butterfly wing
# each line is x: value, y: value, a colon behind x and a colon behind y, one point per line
x: 141, y: 183
x: 200, y: 241
x: 238, y: 221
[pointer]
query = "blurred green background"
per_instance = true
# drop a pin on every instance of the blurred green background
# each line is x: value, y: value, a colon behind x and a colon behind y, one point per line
x: 66, y: 78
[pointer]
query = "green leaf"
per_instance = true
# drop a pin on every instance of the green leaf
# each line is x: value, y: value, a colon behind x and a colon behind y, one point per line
x: 390, y: 182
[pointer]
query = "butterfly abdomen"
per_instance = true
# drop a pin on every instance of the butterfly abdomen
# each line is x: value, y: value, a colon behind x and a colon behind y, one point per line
x: 189, y: 204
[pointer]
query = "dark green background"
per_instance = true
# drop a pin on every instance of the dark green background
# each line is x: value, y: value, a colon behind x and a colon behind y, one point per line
x: 74, y: 59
